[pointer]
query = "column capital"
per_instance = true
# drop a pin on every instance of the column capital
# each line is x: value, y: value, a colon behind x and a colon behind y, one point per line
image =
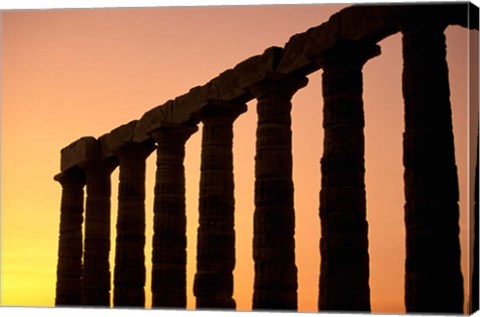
x: 278, y: 84
x: 217, y: 111
x: 100, y: 165
x: 135, y: 150
x: 173, y: 133
x: 347, y: 53
x: 416, y: 17
x: 74, y: 175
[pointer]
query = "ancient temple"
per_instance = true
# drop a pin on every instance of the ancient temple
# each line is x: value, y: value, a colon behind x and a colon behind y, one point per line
x: 340, y: 47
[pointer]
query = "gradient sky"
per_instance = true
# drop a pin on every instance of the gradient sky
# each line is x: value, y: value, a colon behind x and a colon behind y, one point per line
x: 73, y: 73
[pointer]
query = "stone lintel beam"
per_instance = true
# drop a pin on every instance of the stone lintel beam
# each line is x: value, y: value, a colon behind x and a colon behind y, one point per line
x: 171, y: 114
x: 256, y: 68
x: 226, y: 87
x: 111, y: 142
x: 175, y: 112
x: 78, y: 152
x: 363, y: 23
x: 352, y: 23
x: 183, y: 108
x: 294, y: 61
x: 400, y: 16
x: 150, y: 121
x: 338, y: 33
x: 230, y: 86
x: 369, y: 24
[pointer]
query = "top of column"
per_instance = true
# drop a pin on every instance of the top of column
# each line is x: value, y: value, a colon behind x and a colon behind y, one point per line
x: 348, y: 53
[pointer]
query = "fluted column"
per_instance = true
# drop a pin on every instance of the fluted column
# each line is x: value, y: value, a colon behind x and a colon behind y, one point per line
x: 433, y: 280
x: 213, y: 286
x: 96, y: 267
x: 274, y: 218
x: 129, y: 272
x: 70, y: 246
x: 169, y: 256
x: 344, y: 269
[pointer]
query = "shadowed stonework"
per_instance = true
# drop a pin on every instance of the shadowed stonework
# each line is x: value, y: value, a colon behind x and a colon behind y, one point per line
x: 340, y: 47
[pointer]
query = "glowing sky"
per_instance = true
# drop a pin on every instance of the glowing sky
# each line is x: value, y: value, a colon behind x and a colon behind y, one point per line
x: 73, y: 73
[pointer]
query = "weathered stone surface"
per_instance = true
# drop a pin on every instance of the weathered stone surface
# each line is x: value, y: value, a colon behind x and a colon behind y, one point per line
x: 183, y: 107
x: 129, y: 273
x: 226, y: 87
x: 169, y: 257
x: 344, y: 269
x: 463, y: 14
x: 78, y: 152
x: 150, y: 121
x: 213, y: 285
x: 255, y: 69
x: 433, y: 278
x: 111, y: 142
x: 70, y: 246
x: 322, y: 37
x: 363, y: 23
x: 294, y: 61
x: 274, y: 216
x: 96, y: 267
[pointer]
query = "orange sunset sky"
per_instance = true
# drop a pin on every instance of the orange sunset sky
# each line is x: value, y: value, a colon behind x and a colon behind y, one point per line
x: 72, y: 73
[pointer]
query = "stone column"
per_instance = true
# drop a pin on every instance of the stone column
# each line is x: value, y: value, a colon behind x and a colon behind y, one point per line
x: 433, y: 280
x: 96, y: 268
x: 213, y: 285
x: 344, y: 269
x: 169, y: 256
x: 70, y: 246
x: 274, y: 218
x: 129, y: 272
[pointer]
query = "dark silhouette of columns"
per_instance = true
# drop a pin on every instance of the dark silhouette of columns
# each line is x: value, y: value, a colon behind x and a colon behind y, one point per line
x: 274, y: 218
x: 96, y: 268
x: 213, y: 286
x: 169, y: 256
x: 344, y: 269
x: 70, y: 246
x: 433, y: 280
x: 129, y: 272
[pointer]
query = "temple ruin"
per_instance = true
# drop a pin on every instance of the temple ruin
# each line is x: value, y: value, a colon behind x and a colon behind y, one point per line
x: 340, y: 47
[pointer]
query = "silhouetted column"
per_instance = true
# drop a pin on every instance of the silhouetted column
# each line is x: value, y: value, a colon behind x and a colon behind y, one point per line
x: 344, y: 269
x: 70, y: 245
x: 433, y: 281
x: 213, y: 286
x: 96, y: 268
x: 274, y: 219
x: 129, y: 272
x: 169, y: 256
